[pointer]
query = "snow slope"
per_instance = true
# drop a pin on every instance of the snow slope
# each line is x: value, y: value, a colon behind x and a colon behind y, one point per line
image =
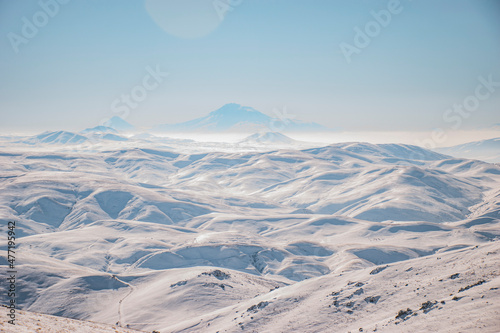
x: 56, y: 137
x: 166, y: 237
x: 455, y: 291
x: 29, y: 322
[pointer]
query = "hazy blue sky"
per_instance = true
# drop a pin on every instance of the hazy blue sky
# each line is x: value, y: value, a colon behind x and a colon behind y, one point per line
x: 72, y: 72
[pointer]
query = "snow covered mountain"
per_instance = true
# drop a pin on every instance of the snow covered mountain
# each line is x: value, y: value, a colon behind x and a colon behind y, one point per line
x: 347, y: 237
x: 234, y: 117
x: 62, y: 138
x: 485, y: 150
x: 56, y: 137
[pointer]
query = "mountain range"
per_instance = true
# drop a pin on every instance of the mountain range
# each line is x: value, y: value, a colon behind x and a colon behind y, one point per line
x: 229, y: 118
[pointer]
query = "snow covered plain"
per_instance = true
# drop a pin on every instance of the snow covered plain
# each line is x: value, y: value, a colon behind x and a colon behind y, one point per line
x: 178, y: 236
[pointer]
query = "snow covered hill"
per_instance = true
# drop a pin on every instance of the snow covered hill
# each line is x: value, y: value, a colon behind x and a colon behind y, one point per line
x: 159, y: 235
x: 271, y: 138
x: 30, y: 322
x: 56, y: 137
x: 87, y: 137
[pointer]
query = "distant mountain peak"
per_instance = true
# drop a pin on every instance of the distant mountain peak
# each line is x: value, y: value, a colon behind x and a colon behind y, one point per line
x: 57, y: 137
x: 236, y: 117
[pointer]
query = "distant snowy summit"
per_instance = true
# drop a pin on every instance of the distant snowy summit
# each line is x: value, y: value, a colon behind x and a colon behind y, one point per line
x: 92, y: 135
x: 56, y: 137
x: 238, y: 118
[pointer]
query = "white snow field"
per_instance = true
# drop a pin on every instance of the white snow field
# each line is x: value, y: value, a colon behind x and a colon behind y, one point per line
x: 152, y: 233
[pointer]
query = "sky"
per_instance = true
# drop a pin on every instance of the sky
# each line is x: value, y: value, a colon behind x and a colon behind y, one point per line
x: 357, y: 65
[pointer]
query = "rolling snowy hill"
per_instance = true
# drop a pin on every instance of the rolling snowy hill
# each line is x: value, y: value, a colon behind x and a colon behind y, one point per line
x: 56, y: 137
x: 159, y: 235
x: 274, y: 139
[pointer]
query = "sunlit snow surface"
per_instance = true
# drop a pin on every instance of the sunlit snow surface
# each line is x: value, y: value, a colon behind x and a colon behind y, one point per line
x: 265, y: 234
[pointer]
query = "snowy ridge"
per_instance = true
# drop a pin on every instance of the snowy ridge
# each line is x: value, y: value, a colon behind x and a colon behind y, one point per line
x: 61, y: 137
